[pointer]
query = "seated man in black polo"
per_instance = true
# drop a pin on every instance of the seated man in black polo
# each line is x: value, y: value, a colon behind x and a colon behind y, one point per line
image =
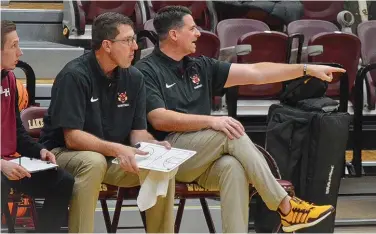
x: 54, y: 185
x: 97, y: 109
x: 179, y: 90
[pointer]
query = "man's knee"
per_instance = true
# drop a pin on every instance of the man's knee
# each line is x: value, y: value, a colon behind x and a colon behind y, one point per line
x: 85, y: 165
x: 230, y: 166
x: 221, y: 138
x: 94, y: 160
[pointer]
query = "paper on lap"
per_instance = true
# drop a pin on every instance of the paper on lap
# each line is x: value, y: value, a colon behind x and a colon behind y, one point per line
x: 32, y: 164
x: 160, y: 158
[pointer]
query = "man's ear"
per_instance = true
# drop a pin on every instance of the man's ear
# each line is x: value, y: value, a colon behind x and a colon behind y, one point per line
x: 106, y: 45
x: 173, y: 35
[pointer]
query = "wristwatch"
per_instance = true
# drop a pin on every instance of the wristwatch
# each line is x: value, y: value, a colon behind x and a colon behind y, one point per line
x: 304, y: 69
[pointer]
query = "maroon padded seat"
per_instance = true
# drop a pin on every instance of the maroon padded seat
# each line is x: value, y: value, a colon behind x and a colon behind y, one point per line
x: 340, y: 48
x: 32, y: 120
x: 367, y: 35
x: 230, y: 30
x: 266, y: 47
x: 309, y: 28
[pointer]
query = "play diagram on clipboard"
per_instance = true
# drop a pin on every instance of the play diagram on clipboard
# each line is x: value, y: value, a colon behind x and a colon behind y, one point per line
x: 160, y: 158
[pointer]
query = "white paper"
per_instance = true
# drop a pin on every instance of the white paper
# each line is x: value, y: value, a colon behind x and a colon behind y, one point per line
x: 160, y: 158
x: 33, y: 165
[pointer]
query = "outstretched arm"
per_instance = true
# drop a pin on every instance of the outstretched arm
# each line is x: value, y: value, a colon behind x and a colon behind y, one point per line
x: 266, y: 73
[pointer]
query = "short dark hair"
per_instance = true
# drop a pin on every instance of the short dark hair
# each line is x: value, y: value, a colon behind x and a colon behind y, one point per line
x: 7, y: 26
x: 105, y: 27
x: 169, y: 17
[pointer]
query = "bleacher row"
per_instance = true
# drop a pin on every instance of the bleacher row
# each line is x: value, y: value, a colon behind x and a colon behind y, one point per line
x: 206, y: 14
x: 243, y: 41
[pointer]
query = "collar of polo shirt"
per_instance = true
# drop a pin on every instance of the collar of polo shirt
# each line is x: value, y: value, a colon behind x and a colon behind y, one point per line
x: 115, y: 76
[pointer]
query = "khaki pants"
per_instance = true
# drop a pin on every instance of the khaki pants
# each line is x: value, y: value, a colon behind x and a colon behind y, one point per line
x: 228, y: 165
x: 90, y: 169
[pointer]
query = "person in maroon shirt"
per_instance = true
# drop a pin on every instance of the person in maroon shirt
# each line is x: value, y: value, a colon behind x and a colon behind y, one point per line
x: 56, y: 186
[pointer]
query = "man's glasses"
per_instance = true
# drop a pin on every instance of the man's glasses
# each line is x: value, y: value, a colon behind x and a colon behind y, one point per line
x: 128, y: 40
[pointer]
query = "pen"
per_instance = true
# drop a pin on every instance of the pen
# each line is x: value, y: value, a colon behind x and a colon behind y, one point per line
x: 19, y: 161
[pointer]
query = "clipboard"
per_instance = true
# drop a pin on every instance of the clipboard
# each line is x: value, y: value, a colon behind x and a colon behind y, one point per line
x: 33, y: 165
x: 159, y: 158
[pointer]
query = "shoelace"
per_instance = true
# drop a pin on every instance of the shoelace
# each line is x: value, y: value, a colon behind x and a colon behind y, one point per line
x: 304, y: 208
x: 304, y: 204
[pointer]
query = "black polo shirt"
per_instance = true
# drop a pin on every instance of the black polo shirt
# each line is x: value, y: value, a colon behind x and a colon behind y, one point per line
x: 184, y: 86
x: 84, y: 98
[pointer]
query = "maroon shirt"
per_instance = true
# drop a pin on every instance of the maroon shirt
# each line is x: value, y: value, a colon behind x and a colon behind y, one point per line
x: 14, y: 137
x: 8, y: 115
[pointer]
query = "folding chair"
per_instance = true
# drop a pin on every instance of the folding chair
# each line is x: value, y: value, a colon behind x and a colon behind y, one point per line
x: 337, y: 47
x: 367, y: 73
x: 184, y: 191
x: 18, y: 200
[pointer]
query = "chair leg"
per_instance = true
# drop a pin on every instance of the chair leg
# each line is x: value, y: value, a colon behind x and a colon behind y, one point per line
x: 119, y: 203
x: 143, y: 218
x: 209, y: 220
x: 8, y: 218
x: 106, y: 215
x: 179, y: 215
x: 13, y: 214
x: 14, y: 210
x: 33, y: 210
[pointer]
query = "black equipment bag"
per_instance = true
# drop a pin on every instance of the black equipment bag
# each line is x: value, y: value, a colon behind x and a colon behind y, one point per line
x: 308, y: 142
x: 302, y: 88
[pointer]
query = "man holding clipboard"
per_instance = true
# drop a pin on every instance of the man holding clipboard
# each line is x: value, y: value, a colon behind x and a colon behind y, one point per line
x: 54, y: 185
x: 97, y: 112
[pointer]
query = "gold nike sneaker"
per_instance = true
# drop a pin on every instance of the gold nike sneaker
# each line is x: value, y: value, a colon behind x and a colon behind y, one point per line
x: 303, y: 215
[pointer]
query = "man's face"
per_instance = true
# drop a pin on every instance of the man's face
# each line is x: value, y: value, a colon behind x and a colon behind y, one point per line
x: 123, y: 46
x: 187, y: 35
x: 11, y: 51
